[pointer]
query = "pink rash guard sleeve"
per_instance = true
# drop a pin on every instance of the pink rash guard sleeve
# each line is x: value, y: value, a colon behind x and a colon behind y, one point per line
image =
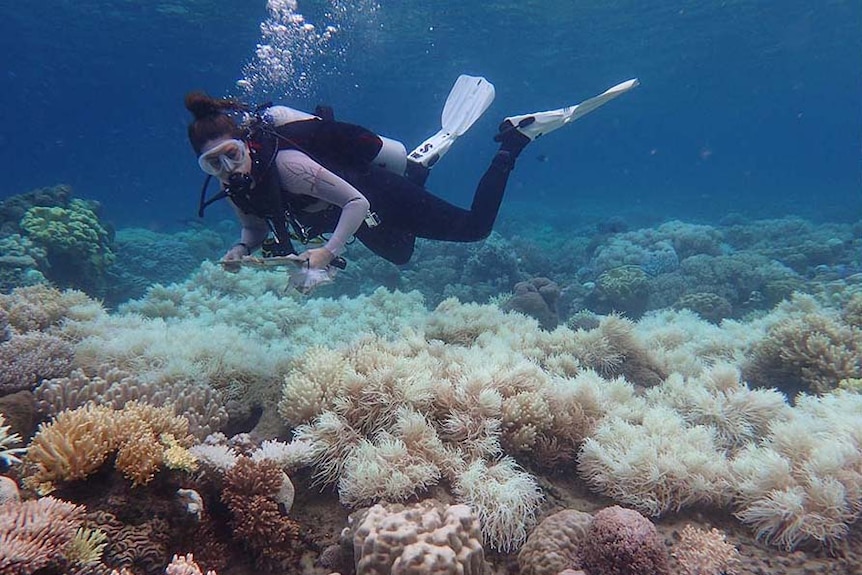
x: 302, y: 175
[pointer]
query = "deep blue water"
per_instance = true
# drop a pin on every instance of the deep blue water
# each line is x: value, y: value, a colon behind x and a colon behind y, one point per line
x: 752, y: 107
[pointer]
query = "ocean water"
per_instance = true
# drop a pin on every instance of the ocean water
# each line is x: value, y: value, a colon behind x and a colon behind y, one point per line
x: 696, y: 241
x: 747, y: 107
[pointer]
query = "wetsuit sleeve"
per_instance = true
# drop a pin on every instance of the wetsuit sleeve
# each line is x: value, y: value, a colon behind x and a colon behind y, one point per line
x: 302, y: 175
x: 254, y: 229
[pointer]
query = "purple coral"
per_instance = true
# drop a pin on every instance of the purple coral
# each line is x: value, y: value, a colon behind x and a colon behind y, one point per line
x: 621, y: 541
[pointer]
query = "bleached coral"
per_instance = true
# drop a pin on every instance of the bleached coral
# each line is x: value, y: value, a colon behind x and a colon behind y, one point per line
x: 185, y: 565
x: 505, y: 497
x: 804, y: 481
x: 384, y: 469
x: 9, y: 454
x: 220, y: 457
x: 425, y: 538
x: 720, y: 400
x: 657, y: 464
x: 287, y: 456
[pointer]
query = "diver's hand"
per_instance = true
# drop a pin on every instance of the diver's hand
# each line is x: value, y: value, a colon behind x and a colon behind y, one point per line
x: 316, y: 258
x: 231, y: 259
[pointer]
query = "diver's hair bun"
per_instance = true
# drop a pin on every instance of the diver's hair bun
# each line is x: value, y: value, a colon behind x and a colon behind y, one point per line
x: 201, y: 105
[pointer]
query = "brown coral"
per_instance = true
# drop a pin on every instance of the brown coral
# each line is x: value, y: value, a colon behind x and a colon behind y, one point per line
x: 35, y: 534
x: 623, y: 542
x: 555, y: 544
x: 700, y: 552
x: 250, y: 492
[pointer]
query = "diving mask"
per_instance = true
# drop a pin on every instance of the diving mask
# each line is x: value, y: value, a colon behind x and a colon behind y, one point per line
x: 224, y: 158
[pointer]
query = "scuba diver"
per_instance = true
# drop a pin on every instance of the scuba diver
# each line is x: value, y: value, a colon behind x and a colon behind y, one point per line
x: 293, y: 175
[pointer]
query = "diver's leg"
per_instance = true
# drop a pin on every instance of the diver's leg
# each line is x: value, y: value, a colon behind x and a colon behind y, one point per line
x: 421, y: 213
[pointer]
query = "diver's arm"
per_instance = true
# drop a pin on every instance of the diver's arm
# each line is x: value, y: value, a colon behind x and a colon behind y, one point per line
x: 254, y: 230
x: 302, y: 175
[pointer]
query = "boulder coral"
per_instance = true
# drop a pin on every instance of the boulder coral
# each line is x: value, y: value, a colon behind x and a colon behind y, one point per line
x: 555, y: 544
x: 621, y: 541
x: 78, y: 246
x: 426, y: 538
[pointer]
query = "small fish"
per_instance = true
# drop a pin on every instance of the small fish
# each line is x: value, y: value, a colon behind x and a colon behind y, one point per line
x: 542, y: 158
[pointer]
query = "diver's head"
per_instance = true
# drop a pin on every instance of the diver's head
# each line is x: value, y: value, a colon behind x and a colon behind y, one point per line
x: 223, y: 157
x: 216, y: 137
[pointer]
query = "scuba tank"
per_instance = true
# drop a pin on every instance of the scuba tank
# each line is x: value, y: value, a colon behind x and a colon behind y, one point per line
x: 391, y: 157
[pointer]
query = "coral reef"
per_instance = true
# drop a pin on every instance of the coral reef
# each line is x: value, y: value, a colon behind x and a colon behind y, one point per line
x: 555, y: 544
x: 621, y: 541
x: 700, y: 552
x: 422, y: 539
x: 35, y: 535
x: 251, y: 493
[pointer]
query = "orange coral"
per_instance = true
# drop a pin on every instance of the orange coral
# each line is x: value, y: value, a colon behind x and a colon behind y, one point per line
x: 78, y: 442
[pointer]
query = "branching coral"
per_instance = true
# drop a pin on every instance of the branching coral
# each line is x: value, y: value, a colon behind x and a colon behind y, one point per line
x: 251, y: 493
x: 78, y: 442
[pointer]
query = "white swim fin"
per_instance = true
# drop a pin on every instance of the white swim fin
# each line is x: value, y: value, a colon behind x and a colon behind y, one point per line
x: 540, y: 123
x: 467, y: 101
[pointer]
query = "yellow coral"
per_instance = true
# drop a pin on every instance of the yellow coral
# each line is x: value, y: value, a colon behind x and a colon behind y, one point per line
x: 87, y: 546
x: 176, y: 456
